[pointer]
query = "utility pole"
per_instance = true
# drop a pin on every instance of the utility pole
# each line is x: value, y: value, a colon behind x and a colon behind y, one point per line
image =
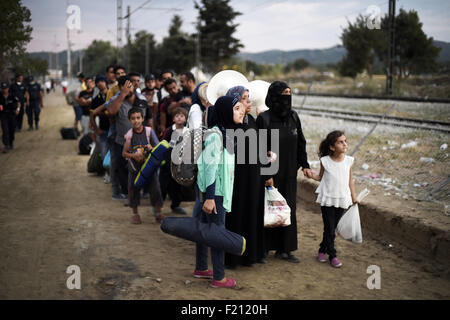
x: 197, y: 49
x: 81, y: 60
x: 147, y: 55
x: 56, y: 53
x: 69, y: 63
x: 119, y: 30
x: 128, y: 58
x: 391, y: 48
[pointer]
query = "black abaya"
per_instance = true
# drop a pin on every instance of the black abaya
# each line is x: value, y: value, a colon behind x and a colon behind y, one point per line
x: 247, y: 213
x: 291, y: 156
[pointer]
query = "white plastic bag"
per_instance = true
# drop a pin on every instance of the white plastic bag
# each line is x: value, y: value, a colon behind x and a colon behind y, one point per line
x: 349, y: 227
x: 276, y: 211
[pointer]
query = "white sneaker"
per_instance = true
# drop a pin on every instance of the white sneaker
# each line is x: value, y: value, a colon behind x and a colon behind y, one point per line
x: 107, y: 178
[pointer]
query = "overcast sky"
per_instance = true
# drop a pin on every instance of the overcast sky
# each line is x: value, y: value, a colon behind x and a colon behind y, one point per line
x: 263, y: 25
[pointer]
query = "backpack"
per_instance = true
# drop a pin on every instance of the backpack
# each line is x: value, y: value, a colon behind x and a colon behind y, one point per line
x: 69, y: 133
x: 185, y: 154
x: 95, y: 163
x: 85, y: 145
x: 70, y: 97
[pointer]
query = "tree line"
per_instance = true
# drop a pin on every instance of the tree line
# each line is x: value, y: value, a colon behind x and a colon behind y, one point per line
x: 367, y: 49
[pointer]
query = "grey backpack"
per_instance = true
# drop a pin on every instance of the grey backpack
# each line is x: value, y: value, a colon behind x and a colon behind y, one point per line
x: 185, y: 154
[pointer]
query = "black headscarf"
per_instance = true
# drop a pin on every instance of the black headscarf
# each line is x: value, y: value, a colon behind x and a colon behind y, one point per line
x: 196, y: 98
x: 279, y: 103
x: 223, y: 117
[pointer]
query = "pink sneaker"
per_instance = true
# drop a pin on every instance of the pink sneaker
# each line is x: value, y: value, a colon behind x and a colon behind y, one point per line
x: 208, y: 274
x: 322, y: 257
x: 335, y: 263
x: 230, y: 283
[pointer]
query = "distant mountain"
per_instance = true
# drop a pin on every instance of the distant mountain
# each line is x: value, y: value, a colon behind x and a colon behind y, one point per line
x: 58, y: 59
x: 445, y: 51
x: 314, y: 56
x: 319, y: 56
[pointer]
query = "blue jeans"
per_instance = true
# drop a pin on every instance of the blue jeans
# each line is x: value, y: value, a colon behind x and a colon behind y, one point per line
x: 78, y: 112
x: 103, y: 141
x: 201, y: 251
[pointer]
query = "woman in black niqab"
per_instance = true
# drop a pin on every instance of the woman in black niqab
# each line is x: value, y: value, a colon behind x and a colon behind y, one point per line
x: 291, y: 157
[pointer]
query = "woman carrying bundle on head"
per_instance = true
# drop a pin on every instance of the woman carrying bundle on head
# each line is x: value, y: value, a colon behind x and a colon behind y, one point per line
x: 246, y: 217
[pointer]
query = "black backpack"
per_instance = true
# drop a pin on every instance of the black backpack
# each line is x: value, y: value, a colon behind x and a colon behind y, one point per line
x: 84, y: 145
x: 70, y: 133
x: 95, y: 163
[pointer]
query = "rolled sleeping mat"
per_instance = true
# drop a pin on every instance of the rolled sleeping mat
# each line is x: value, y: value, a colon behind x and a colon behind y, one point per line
x: 208, y: 234
x: 151, y: 164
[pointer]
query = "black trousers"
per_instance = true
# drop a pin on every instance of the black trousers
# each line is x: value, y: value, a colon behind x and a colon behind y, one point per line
x: 8, y: 120
x: 169, y: 186
x: 120, y: 165
x: 330, y: 217
x: 34, y: 109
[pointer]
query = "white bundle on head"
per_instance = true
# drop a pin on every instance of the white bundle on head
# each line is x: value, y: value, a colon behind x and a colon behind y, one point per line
x: 258, y: 92
x: 221, y: 82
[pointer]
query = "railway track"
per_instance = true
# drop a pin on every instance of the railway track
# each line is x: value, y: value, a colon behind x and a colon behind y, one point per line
x: 367, y: 117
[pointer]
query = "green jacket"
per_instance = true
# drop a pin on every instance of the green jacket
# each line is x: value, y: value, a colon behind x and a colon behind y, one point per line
x: 215, y: 164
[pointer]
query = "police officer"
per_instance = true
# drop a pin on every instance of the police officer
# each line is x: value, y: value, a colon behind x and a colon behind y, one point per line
x: 18, y: 89
x: 34, y: 102
x: 9, y: 109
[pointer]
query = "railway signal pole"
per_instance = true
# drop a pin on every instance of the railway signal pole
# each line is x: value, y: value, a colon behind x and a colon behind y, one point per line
x: 391, y: 47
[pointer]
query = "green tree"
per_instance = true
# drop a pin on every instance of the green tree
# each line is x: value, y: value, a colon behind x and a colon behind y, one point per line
x: 178, y: 48
x: 415, y: 53
x: 298, y: 64
x: 27, y: 65
x: 138, y: 52
x: 97, y: 56
x: 216, y: 30
x: 360, y: 43
x: 15, y: 32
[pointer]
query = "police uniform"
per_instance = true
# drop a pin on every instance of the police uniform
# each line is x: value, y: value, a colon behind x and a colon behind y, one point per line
x: 34, y: 108
x: 18, y: 89
x: 8, y: 109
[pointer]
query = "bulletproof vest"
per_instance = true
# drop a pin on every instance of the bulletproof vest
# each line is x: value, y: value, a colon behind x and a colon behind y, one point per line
x: 18, y: 91
x: 34, y: 91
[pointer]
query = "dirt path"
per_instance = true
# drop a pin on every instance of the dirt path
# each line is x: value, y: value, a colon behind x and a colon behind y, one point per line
x: 53, y: 214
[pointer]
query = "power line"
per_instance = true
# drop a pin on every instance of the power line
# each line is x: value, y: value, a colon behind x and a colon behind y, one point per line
x: 130, y: 13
